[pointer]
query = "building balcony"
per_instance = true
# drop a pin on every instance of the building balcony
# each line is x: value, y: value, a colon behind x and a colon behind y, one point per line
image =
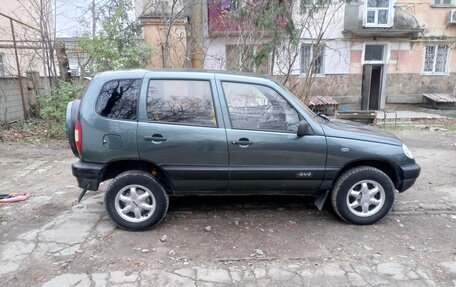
x: 393, y: 22
x: 226, y: 17
x: 219, y: 17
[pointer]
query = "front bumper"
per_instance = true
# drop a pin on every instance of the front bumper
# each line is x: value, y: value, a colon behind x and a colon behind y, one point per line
x: 88, y: 174
x: 409, y: 174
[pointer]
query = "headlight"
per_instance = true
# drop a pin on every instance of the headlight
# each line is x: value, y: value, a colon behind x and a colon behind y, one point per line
x: 407, y: 152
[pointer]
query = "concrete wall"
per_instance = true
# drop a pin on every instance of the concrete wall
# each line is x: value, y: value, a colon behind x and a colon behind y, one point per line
x: 344, y: 88
x: 10, y: 100
x: 409, y: 87
x: 400, y: 88
x: 10, y: 96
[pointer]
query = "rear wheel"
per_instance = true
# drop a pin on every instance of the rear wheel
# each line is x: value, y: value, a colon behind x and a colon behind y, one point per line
x: 136, y: 201
x: 363, y: 195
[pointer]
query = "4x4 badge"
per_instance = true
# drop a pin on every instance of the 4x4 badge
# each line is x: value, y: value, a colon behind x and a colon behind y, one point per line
x: 304, y: 174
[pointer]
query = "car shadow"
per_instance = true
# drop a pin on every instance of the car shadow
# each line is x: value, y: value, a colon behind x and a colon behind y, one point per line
x: 247, y: 202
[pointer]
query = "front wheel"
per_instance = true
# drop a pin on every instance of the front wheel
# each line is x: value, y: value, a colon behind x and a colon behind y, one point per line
x: 136, y: 201
x: 363, y: 195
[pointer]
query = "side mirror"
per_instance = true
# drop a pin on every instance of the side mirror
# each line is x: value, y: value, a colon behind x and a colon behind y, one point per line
x: 303, y: 128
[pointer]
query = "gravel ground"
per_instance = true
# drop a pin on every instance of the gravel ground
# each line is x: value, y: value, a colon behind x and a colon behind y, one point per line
x: 50, y: 240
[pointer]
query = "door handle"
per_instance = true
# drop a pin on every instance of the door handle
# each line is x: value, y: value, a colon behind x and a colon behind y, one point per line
x: 242, y: 142
x: 155, y: 138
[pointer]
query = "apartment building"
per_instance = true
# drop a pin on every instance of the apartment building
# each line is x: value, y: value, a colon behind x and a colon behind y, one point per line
x: 401, y: 49
x: 22, y: 18
x: 371, y: 53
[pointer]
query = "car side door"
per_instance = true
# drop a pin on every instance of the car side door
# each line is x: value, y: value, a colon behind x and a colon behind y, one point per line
x: 181, y: 130
x: 266, y: 154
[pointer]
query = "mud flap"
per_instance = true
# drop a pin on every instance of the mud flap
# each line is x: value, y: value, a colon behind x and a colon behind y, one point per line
x: 83, y: 192
x: 321, y: 199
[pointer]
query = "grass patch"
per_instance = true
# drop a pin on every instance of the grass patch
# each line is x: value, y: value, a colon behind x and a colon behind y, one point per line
x: 400, y: 127
x: 445, y: 123
x: 451, y: 127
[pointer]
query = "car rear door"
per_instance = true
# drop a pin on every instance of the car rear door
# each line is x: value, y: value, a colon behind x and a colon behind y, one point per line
x: 266, y: 155
x: 181, y: 130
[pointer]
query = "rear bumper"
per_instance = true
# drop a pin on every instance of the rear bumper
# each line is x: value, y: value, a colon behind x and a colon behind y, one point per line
x: 88, y: 174
x: 409, y: 175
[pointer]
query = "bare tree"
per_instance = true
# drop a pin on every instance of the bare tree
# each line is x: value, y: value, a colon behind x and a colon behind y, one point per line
x: 285, y: 38
x: 302, y: 51
x: 40, y: 13
x: 236, y: 24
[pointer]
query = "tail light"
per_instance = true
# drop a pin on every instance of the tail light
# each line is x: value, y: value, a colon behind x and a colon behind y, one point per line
x: 78, y: 136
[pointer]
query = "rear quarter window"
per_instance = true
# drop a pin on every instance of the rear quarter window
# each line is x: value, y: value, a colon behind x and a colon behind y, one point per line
x: 118, y: 99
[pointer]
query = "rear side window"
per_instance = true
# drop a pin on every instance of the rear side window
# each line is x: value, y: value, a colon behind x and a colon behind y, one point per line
x: 181, y: 101
x: 118, y: 99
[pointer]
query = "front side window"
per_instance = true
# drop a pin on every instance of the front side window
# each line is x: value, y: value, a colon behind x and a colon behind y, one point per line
x: 256, y: 107
x: 118, y: 99
x: 312, y: 59
x: 378, y: 13
x: 181, y: 101
x: 435, y: 59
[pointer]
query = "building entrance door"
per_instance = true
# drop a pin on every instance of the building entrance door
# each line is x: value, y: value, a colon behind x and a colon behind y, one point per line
x: 372, y: 87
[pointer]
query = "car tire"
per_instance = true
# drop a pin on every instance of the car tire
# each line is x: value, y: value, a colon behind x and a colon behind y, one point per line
x: 136, y: 201
x: 70, y: 123
x: 363, y: 195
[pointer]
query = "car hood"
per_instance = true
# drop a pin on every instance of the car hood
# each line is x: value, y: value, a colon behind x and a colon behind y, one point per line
x: 354, y: 130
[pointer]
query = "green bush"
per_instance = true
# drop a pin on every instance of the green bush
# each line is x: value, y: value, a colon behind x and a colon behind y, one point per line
x: 53, y: 106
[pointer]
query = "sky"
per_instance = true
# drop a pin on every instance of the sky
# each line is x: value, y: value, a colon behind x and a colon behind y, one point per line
x: 73, y: 17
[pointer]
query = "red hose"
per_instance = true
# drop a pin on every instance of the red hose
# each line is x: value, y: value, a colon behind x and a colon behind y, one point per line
x: 14, y: 197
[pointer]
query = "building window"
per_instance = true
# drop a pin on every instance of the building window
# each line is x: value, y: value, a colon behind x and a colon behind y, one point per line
x: 374, y: 54
x: 442, y: 2
x: 242, y: 58
x: 312, y: 59
x: 436, y: 59
x: 378, y: 13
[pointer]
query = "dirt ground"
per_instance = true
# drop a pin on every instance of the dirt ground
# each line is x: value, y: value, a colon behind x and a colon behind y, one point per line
x: 50, y: 240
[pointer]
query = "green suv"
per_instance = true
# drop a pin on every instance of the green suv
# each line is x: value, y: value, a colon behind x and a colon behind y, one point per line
x: 162, y: 133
